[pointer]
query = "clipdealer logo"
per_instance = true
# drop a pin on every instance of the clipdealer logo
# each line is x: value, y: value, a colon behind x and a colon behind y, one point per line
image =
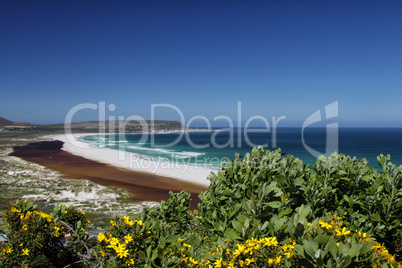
x: 331, y: 111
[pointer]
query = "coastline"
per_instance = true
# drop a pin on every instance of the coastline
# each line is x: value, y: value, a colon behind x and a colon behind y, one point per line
x: 134, y: 162
x: 140, y: 186
x: 36, y: 167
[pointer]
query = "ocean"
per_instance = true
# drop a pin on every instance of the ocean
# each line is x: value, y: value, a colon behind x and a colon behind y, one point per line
x: 210, y: 148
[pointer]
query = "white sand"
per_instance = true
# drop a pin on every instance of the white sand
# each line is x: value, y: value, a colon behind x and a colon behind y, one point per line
x: 178, y: 170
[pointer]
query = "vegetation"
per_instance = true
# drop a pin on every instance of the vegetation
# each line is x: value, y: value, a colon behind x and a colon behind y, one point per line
x: 266, y: 210
x: 20, y: 179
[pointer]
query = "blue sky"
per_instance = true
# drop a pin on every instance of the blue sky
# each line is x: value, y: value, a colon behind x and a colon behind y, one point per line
x: 277, y: 58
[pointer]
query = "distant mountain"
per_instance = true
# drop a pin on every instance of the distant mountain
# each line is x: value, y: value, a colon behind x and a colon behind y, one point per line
x: 95, y: 126
x: 6, y: 122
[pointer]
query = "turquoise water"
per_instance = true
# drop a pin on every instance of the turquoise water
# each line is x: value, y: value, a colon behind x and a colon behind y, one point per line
x: 210, y: 148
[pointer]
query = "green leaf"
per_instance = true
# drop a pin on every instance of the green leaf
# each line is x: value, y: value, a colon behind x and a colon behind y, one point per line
x: 241, y: 218
x: 227, y: 192
x: 376, y: 217
x: 231, y: 234
x: 299, y: 230
x: 237, y: 225
x: 278, y: 224
x: 271, y: 187
x: 367, y: 247
x: 332, y: 247
x: 298, y: 181
x: 311, y: 247
x: 274, y: 204
x: 322, y: 239
x: 149, y: 251
x: 246, y: 223
x: 355, y: 250
x: 299, y: 249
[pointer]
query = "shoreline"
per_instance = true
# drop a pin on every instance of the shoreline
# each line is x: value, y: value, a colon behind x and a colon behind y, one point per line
x: 189, y: 173
x: 141, y: 186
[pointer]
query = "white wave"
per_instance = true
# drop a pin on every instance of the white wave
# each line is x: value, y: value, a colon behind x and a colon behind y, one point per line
x: 139, y: 148
x: 182, y: 155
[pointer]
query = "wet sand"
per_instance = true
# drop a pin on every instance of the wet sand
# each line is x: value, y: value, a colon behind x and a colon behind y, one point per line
x: 143, y: 186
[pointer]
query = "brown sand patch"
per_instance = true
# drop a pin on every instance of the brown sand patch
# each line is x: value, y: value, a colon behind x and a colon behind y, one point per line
x: 143, y: 186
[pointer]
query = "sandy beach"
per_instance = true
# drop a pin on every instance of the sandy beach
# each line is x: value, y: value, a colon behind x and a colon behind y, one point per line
x: 135, y: 162
x: 104, y: 167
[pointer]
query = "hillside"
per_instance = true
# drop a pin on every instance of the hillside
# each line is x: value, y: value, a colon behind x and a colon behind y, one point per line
x: 5, y: 122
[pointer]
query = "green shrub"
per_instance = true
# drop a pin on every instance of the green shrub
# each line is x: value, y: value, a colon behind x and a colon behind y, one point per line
x: 37, y: 239
x: 267, y: 210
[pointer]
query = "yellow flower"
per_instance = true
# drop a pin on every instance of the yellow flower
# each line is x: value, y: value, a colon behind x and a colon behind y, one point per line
x: 193, y: 261
x: 270, y: 261
x: 363, y: 236
x: 270, y: 241
x: 334, y: 217
x: 24, y: 227
x: 180, y: 240
x: 103, y: 254
x: 127, y: 220
x: 218, y: 263
x: 121, y: 251
x: 288, y: 254
x: 9, y: 250
x: 248, y: 261
x: 128, y: 238
x: 343, y: 233
x: 101, y: 237
x: 25, y: 251
x: 239, y: 250
x: 391, y: 260
x: 278, y: 259
x: 140, y: 223
x: 130, y: 261
x: 287, y: 247
x: 113, y: 223
x: 13, y: 209
x: 114, y: 241
x: 186, y: 245
x: 325, y: 225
